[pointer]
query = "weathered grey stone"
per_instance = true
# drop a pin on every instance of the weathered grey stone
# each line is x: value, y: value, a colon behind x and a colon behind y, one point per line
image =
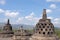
x: 21, y: 34
x: 7, y: 30
x: 44, y: 29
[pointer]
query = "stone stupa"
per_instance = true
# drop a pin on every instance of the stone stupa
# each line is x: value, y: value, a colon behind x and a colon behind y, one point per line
x: 7, y: 30
x: 21, y: 34
x: 44, y: 29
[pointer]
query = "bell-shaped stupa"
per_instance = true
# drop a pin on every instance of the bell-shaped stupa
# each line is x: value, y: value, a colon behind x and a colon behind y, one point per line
x: 44, y: 29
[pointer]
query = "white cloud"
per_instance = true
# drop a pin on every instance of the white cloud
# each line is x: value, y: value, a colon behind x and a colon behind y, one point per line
x: 32, y: 14
x: 11, y: 14
x: 48, y: 10
x: 57, y: 19
x: 30, y: 17
x: 53, y: 6
x: 53, y: 0
x: 56, y: 22
x: 2, y: 2
x: 20, y: 19
x: 50, y: 17
x: 1, y: 10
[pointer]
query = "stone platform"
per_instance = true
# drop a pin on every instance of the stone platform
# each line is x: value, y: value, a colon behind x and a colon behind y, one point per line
x: 6, y: 38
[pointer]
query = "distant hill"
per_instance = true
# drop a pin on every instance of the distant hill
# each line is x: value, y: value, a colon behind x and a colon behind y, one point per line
x: 17, y: 26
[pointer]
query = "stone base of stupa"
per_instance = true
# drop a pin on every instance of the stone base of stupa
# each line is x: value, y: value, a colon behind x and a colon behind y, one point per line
x: 6, y: 34
x: 41, y: 37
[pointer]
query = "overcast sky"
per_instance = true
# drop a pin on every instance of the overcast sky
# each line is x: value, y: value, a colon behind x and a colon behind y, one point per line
x: 29, y: 11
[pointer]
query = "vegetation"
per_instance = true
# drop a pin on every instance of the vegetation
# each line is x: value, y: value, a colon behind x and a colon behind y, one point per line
x: 57, y: 31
